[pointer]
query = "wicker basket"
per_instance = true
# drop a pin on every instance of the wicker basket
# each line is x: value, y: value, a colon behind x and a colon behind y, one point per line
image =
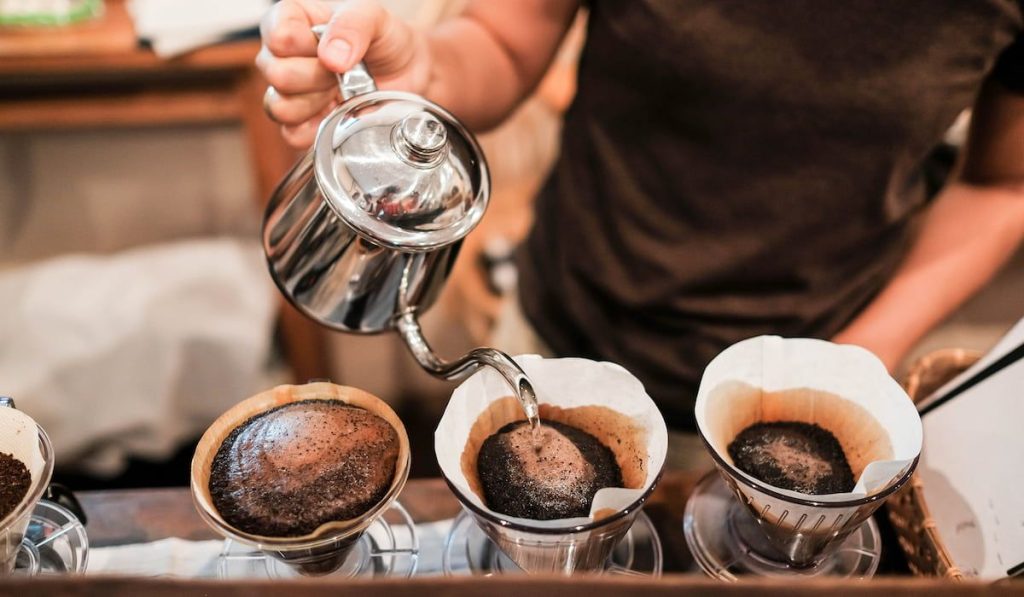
x: 908, y: 510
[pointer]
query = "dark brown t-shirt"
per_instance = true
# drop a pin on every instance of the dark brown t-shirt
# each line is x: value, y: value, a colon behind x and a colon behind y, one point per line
x: 735, y: 168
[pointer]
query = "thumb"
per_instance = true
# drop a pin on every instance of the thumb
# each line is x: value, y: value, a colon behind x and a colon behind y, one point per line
x: 351, y: 30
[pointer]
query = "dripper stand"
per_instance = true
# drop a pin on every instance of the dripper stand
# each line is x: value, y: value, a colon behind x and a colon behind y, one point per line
x: 388, y: 549
x: 468, y: 551
x: 738, y: 548
x: 55, y: 543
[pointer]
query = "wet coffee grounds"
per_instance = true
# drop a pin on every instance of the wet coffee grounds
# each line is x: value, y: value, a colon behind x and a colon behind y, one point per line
x: 14, y: 483
x: 555, y: 477
x: 286, y: 471
x: 792, y: 455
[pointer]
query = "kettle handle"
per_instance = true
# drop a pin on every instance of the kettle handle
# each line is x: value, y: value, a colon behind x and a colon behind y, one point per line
x: 356, y: 80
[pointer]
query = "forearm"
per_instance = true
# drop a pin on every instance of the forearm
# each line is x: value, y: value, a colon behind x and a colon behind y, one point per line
x: 484, y: 63
x: 967, y: 235
x: 472, y: 75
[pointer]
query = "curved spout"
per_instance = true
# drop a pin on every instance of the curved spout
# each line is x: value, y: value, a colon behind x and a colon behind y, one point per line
x: 409, y: 327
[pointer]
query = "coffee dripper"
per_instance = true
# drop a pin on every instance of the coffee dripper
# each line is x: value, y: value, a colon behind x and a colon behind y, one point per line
x: 736, y: 525
x: 362, y: 233
x: 45, y: 532
x: 324, y: 550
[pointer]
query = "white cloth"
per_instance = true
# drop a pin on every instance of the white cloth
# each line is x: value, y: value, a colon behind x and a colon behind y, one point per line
x: 171, y: 557
x: 174, y: 557
x: 135, y: 352
x: 177, y: 26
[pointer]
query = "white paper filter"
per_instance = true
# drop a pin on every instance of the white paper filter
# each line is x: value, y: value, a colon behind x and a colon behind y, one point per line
x: 565, y: 383
x: 771, y: 364
x: 19, y: 437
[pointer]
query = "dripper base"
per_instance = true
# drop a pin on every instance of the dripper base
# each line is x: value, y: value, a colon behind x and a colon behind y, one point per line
x: 734, y: 550
x: 388, y: 548
x: 468, y: 551
x: 55, y: 542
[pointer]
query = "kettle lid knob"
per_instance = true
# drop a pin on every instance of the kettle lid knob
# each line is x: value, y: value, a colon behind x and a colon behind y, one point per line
x: 422, y: 137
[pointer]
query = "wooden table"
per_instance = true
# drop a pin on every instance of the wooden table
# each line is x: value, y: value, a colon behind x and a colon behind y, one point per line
x: 120, y: 517
x: 136, y: 516
x: 95, y: 74
x: 125, y: 516
x: 132, y: 516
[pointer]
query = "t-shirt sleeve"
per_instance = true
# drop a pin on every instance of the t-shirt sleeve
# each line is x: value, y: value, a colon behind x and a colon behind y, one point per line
x: 1009, y: 68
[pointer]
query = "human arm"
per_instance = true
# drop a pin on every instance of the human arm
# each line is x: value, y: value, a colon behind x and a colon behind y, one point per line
x: 972, y: 228
x: 479, y: 65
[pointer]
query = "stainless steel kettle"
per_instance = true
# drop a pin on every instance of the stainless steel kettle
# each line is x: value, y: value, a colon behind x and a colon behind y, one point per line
x: 363, y: 231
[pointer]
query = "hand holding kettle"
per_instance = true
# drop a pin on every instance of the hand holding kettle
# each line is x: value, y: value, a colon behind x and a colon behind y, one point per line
x: 479, y: 65
x: 300, y: 69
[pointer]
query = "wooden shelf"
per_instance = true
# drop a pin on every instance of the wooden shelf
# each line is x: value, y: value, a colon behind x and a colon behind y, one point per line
x: 110, y: 34
x: 106, y: 45
x: 228, y: 56
x: 141, y: 108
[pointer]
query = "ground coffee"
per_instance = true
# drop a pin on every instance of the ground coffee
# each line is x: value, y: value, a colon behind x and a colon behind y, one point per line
x: 554, y: 477
x: 288, y: 470
x: 792, y: 455
x: 15, y: 481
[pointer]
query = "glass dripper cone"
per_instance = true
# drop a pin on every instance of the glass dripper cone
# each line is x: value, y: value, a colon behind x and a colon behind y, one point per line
x: 14, y: 525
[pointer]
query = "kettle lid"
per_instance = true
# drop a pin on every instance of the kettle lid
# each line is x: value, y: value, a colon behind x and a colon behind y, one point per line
x: 401, y: 170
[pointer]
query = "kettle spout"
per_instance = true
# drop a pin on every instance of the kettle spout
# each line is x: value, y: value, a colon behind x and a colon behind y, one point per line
x: 409, y: 328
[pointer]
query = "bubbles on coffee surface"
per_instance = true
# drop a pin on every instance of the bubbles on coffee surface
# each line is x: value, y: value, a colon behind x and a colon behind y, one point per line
x: 554, y: 475
x: 286, y: 471
x: 792, y: 455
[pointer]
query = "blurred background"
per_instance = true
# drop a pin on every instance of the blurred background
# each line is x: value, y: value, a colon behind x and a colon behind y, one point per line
x: 135, y: 306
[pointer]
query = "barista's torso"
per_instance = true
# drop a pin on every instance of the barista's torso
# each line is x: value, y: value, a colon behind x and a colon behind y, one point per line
x: 733, y: 168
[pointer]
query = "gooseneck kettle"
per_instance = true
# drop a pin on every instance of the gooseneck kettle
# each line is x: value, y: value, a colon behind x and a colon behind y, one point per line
x: 363, y: 231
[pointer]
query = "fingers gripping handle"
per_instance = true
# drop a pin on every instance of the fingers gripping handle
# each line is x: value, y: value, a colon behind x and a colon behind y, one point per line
x: 356, y: 80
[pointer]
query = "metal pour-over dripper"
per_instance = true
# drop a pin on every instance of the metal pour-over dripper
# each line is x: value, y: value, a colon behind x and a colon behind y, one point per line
x: 846, y: 391
x: 602, y: 399
x: 469, y: 550
x: 735, y: 526
x: 363, y: 232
